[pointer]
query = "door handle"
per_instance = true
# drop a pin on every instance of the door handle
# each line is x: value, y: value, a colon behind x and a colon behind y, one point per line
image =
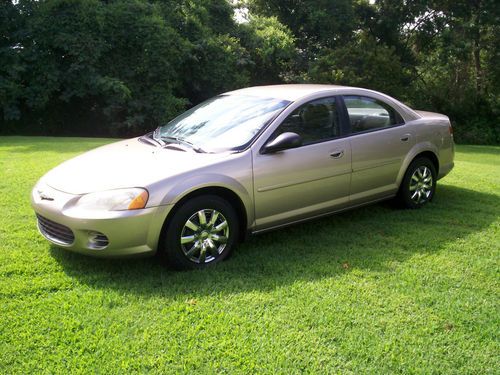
x: 405, y: 138
x: 337, y: 154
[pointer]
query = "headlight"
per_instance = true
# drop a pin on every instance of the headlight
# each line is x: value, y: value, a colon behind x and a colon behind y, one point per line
x: 114, y: 200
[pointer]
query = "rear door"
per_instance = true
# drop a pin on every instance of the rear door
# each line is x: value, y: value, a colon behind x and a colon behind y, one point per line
x: 379, y: 142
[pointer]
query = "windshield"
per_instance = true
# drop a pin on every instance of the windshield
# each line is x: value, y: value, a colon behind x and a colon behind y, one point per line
x: 223, y: 123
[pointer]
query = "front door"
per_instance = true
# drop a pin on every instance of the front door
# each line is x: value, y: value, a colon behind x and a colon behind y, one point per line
x: 298, y: 183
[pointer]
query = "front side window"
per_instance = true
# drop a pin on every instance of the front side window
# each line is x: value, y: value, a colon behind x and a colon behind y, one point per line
x: 223, y: 123
x: 315, y: 121
x: 366, y: 114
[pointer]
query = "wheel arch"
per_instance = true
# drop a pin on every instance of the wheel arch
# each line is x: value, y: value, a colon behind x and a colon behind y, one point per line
x: 427, y: 150
x: 223, y: 192
x: 432, y: 157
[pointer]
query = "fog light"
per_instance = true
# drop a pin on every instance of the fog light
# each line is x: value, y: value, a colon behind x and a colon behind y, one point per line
x: 98, y: 240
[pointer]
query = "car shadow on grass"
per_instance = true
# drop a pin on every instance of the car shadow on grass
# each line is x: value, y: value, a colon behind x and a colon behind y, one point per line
x: 371, y: 239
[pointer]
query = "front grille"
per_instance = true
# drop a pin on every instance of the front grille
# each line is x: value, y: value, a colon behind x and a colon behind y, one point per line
x: 55, y: 232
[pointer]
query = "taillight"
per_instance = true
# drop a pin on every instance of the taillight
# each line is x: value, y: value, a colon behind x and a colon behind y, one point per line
x: 450, y: 129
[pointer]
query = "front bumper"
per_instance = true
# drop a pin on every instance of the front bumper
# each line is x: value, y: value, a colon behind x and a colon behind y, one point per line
x: 128, y: 233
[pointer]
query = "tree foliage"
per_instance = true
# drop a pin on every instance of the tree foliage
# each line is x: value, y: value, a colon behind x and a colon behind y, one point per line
x: 270, y: 47
x: 439, y: 55
x: 113, y: 67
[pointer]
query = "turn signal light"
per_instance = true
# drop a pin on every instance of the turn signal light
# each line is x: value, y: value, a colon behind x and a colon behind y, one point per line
x: 139, y: 201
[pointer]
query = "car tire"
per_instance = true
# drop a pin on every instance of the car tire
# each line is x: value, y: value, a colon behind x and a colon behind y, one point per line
x: 201, y: 233
x: 418, y: 185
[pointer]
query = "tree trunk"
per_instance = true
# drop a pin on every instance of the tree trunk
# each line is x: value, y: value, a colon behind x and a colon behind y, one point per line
x: 476, y: 46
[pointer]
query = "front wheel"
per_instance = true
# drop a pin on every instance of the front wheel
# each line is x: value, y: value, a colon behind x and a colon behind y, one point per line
x: 201, y: 233
x: 419, y: 184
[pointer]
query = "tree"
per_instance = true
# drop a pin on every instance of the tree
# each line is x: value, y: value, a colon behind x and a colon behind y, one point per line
x: 364, y: 63
x: 440, y: 54
x: 271, y: 49
x: 457, y: 51
x: 139, y: 70
x: 315, y: 24
x: 11, y: 66
x: 122, y: 67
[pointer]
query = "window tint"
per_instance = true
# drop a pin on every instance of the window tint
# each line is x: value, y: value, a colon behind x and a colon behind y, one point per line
x: 315, y: 121
x: 367, y: 114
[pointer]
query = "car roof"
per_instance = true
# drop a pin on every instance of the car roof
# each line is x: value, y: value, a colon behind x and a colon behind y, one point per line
x: 290, y: 92
x: 295, y: 92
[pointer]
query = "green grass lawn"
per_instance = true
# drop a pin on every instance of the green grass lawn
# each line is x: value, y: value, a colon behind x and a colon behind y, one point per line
x: 374, y: 290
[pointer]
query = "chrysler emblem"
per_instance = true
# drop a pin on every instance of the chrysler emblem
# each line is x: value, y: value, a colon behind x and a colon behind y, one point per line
x: 44, y: 196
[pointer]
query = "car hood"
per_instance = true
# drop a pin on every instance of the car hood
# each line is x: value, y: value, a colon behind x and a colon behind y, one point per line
x: 124, y: 164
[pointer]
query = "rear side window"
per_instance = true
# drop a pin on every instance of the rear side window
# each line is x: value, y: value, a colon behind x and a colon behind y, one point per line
x: 366, y: 114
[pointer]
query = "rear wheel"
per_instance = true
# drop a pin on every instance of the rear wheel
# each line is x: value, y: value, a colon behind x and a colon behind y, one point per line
x: 419, y: 184
x: 201, y: 233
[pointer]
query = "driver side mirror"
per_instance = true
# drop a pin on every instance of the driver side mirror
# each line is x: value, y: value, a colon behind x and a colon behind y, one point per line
x: 283, y: 142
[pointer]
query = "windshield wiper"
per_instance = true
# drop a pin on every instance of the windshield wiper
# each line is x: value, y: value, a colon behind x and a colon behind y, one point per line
x: 182, y: 141
x: 150, y: 139
x: 156, y: 136
x: 166, y: 140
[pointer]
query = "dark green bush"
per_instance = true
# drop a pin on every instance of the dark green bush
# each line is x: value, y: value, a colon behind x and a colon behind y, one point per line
x: 477, y: 131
